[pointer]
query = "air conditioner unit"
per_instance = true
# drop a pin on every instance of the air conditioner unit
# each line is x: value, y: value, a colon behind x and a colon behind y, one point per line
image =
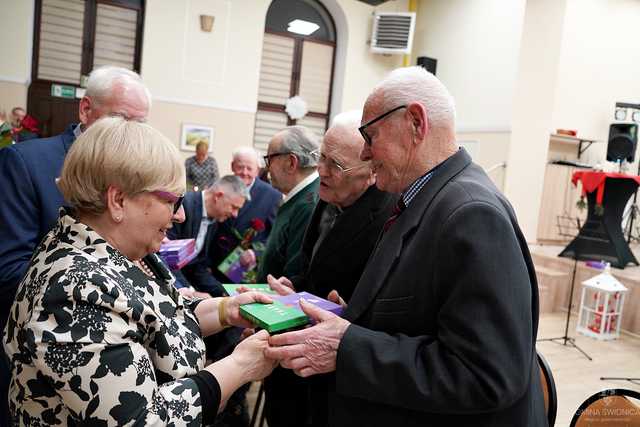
x: 392, y: 32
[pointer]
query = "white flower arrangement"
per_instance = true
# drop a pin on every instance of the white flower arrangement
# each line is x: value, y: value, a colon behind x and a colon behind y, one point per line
x: 296, y: 107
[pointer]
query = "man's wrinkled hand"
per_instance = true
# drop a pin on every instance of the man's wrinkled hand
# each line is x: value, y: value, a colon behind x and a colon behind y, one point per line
x: 313, y: 350
x: 282, y: 286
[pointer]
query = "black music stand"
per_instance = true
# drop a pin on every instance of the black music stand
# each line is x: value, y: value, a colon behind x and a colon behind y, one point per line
x: 566, y: 339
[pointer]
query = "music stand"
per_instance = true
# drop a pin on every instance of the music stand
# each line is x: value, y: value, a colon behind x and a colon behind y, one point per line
x: 566, y: 339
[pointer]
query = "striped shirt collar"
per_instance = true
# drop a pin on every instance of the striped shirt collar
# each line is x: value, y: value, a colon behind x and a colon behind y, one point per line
x: 410, y: 193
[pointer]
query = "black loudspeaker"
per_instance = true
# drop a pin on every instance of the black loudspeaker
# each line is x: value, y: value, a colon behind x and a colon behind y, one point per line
x: 623, y: 138
x: 427, y: 63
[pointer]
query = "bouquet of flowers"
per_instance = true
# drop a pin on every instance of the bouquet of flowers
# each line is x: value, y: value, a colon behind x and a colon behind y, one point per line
x: 235, y: 265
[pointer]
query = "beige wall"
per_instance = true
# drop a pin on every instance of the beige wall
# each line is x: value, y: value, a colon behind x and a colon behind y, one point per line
x: 362, y: 69
x: 12, y: 95
x: 476, y: 44
x: 16, y: 36
x: 230, y: 126
x: 16, y: 40
x: 532, y: 112
x: 212, y: 78
x: 600, y: 64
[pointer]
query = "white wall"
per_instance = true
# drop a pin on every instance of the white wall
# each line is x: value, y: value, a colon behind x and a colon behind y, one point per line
x: 16, y: 37
x: 532, y: 110
x: 362, y: 69
x: 476, y: 44
x: 217, y: 69
x: 600, y: 64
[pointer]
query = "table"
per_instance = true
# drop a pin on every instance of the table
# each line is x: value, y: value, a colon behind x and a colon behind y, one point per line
x: 601, y: 237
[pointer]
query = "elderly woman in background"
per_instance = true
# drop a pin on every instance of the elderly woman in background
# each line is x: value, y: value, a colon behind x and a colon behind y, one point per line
x: 202, y: 170
x: 98, y: 334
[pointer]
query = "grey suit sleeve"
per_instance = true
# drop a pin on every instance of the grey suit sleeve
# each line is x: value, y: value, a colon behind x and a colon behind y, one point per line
x: 479, y: 357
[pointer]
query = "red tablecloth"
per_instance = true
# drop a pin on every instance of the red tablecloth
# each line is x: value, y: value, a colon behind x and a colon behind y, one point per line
x: 592, y: 181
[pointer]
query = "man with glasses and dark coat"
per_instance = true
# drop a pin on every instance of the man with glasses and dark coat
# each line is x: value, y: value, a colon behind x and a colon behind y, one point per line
x: 292, y: 159
x: 343, y: 231
x: 441, y: 328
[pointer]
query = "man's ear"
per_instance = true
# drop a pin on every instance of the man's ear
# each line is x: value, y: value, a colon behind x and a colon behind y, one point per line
x: 115, y: 203
x: 293, y: 163
x: 419, y: 120
x: 85, y: 109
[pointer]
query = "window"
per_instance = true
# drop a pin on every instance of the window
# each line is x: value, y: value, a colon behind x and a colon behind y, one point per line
x: 71, y: 37
x: 294, y: 64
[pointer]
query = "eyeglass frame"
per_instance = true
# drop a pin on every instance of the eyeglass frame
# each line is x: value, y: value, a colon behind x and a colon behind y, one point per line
x: 170, y: 197
x: 341, y: 169
x: 362, y: 129
x: 267, y: 157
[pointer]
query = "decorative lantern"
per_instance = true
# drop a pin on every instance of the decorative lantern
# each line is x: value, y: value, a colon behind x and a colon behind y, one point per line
x: 601, y: 306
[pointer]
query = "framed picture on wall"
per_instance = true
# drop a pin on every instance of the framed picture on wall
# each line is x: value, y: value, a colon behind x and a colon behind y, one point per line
x: 193, y: 134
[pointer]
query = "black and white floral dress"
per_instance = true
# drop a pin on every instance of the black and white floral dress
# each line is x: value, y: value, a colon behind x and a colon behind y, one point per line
x: 93, y: 340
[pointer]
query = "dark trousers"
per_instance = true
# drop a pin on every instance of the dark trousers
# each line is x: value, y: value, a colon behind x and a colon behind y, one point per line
x: 286, y: 399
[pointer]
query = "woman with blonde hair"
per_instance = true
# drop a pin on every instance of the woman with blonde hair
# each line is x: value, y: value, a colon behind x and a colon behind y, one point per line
x: 98, y: 334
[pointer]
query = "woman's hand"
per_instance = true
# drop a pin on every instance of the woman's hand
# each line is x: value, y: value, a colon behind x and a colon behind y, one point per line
x: 282, y: 286
x: 250, y: 359
x: 233, y: 307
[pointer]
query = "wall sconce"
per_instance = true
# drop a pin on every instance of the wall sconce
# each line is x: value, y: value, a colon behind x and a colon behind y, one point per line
x: 206, y: 23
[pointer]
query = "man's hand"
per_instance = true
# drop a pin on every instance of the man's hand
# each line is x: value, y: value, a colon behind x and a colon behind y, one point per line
x: 313, y: 350
x: 282, y: 286
x: 336, y: 298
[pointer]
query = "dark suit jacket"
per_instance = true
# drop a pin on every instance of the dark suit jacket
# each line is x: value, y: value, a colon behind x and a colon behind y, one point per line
x: 264, y: 204
x: 29, y: 207
x: 338, y: 264
x: 444, y: 316
x: 352, y: 238
x: 197, y: 272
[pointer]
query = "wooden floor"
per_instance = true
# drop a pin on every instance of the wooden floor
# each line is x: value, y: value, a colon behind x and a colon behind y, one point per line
x: 576, y: 377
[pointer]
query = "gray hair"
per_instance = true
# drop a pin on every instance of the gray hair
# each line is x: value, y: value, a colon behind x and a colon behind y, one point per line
x: 246, y: 151
x: 231, y: 185
x: 302, y: 142
x: 347, y: 119
x: 102, y: 80
x: 410, y: 84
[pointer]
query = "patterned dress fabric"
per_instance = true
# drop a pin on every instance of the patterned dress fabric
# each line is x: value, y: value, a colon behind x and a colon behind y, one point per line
x: 93, y: 340
x: 201, y: 175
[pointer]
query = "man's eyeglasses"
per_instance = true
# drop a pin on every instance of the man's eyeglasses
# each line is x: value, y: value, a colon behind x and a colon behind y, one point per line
x: 171, y: 198
x: 332, y: 164
x: 363, y: 128
x: 268, y: 157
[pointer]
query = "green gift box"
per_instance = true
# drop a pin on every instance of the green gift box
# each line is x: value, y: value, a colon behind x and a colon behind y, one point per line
x: 232, y: 289
x: 275, y: 317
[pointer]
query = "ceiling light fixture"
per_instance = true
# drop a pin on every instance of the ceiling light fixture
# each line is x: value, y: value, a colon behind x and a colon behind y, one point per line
x: 305, y: 28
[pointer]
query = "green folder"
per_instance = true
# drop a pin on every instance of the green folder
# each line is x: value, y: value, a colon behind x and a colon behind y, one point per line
x: 232, y: 288
x: 275, y: 317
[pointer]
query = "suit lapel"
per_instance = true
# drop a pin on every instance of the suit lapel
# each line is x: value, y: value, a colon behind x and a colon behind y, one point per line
x: 348, y: 225
x: 391, y: 244
x: 196, y: 214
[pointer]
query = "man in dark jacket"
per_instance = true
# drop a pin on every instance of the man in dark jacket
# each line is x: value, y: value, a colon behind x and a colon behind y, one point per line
x: 441, y: 328
x: 343, y: 231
